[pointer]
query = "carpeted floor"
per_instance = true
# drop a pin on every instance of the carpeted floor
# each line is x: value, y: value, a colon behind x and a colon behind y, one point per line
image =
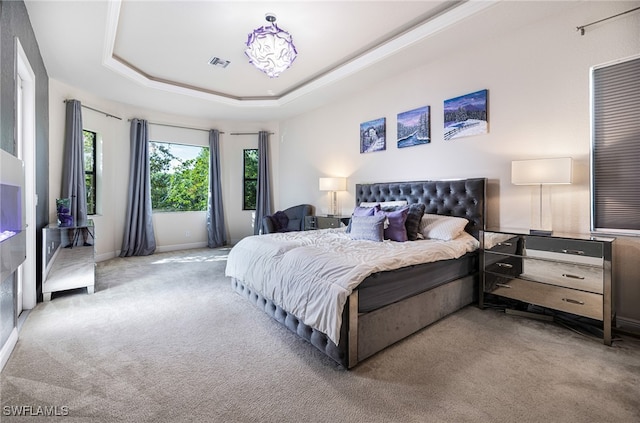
x: 165, y: 339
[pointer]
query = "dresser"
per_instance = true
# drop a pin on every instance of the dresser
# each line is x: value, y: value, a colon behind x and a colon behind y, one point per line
x: 325, y: 222
x: 568, y: 273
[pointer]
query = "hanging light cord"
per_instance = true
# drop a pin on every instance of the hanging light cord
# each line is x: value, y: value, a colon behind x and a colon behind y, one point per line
x: 581, y: 28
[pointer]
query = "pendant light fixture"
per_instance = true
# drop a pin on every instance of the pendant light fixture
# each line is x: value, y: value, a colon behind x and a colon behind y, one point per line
x: 270, y: 49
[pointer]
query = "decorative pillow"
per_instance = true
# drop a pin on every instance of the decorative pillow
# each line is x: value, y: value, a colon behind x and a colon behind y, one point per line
x: 363, y: 211
x: 414, y: 217
x: 446, y: 228
x: 370, y: 228
x: 395, y: 229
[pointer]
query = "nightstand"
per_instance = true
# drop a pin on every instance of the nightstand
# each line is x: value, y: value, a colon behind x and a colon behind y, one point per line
x: 568, y: 273
x: 325, y: 222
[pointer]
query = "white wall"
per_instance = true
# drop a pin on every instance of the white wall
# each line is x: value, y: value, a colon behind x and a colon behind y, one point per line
x: 538, y: 82
x: 172, y: 230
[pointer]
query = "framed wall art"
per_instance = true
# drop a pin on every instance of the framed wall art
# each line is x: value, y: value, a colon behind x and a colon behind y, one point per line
x: 372, y: 135
x: 466, y: 115
x: 414, y: 127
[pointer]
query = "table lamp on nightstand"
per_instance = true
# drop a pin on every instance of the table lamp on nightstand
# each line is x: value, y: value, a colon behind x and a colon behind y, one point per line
x: 542, y: 172
x: 333, y: 185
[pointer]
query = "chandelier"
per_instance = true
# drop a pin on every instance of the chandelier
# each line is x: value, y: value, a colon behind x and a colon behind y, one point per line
x: 270, y: 49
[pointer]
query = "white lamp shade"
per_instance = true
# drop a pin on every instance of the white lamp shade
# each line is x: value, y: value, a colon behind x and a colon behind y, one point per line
x: 333, y: 184
x: 542, y: 171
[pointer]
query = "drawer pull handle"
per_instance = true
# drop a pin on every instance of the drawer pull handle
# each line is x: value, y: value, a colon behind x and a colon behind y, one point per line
x: 569, y: 275
x: 506, y: 244
x: 503, y: 285
x: 576, y: 252
x: 569, y: 300
x: 505, y: 265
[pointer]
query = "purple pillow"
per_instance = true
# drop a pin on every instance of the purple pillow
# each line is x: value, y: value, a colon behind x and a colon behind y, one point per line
x: 370, y: 228
x: 396, y: 230
x: 363, y: 211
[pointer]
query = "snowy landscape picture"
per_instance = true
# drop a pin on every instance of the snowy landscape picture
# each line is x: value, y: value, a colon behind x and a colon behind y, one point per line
x: 414, y: 127
x: 372, y: 135
x: 466, y: 115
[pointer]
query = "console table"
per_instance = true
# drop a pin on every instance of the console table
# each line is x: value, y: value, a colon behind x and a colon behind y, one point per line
x: 68, y: 258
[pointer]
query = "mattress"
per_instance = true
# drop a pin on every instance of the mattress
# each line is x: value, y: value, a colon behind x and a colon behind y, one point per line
x: 383, y: 288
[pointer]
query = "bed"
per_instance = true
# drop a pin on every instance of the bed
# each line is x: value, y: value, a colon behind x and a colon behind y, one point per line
x: 365, y: 305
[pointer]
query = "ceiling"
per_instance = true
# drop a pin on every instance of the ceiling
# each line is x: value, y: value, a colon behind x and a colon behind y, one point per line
x: 155, y: 54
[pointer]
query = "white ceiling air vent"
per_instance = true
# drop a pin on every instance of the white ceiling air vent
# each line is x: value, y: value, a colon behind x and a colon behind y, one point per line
x: 221, y: 63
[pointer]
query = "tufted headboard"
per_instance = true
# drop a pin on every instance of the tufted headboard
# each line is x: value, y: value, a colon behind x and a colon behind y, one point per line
x: 460, y: 197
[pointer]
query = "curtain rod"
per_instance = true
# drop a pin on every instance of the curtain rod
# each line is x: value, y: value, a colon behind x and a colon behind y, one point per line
x: 96, y: 110
x: 581, y: 28
x: 248, y: 133
x: 179, y: 126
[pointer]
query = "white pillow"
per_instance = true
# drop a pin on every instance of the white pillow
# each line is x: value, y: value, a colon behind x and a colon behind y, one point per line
x: 383, y: 204
x: 446, y: 228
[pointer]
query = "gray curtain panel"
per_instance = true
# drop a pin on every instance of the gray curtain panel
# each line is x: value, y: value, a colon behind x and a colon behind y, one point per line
x: 139, y: 237
x: 73, y: 177
x: 216, y: 233
x: 263, y: 198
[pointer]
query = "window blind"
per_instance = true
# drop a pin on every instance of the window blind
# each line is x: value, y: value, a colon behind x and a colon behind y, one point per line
x: 615, y: 159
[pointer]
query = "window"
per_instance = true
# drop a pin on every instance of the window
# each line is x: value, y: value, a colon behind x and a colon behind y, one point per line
x: 615, y: 168
x: 250, y: 179
x: 179, y: 177
x: 89, y: 138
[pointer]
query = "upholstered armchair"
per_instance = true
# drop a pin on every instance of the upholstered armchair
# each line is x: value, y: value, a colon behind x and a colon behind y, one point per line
x: 291, y: 219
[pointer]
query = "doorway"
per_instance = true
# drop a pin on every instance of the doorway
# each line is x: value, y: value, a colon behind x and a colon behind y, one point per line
x: 25, y: 150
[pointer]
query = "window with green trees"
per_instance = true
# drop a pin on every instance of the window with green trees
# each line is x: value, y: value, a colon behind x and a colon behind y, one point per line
x: 250, y: 179
x: 179, y: 177
x: 89, y: 138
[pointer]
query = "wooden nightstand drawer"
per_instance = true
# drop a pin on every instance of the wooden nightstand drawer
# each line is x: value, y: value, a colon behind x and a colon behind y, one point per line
x: 565, y: 299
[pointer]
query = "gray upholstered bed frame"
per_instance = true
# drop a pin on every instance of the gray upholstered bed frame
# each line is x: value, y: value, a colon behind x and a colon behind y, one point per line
x: 364, y: 334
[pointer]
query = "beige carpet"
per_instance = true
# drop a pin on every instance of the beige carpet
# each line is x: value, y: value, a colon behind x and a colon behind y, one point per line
x: 165, y: 339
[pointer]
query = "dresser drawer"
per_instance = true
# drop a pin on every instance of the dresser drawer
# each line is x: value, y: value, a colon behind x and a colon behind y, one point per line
x: 562, y: 249
x: 569, y: 275
x: 503, y: 264
x: 502, y: 243
x: 328, y: 222
x: 573, y: 301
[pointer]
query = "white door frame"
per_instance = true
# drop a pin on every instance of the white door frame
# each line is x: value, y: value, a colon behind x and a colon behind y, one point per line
x: 26, y: 150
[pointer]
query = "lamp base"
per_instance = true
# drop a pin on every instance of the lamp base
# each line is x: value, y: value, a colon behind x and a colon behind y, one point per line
x: 541, y: 232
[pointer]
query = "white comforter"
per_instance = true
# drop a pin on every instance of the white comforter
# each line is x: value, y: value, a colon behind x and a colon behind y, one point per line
x: 312, y: 273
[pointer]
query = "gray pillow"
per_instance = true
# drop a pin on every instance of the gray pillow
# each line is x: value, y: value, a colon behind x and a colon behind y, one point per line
x: 370, y: 228
x: 416, y: 211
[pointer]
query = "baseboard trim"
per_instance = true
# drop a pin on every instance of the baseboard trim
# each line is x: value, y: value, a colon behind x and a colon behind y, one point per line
x: 163, y: 249
x: 626, y: 325
x: 176, y: 247
x: 8, y: 347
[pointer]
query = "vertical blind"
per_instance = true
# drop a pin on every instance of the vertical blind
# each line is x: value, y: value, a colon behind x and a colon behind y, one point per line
x: 615, y: 160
